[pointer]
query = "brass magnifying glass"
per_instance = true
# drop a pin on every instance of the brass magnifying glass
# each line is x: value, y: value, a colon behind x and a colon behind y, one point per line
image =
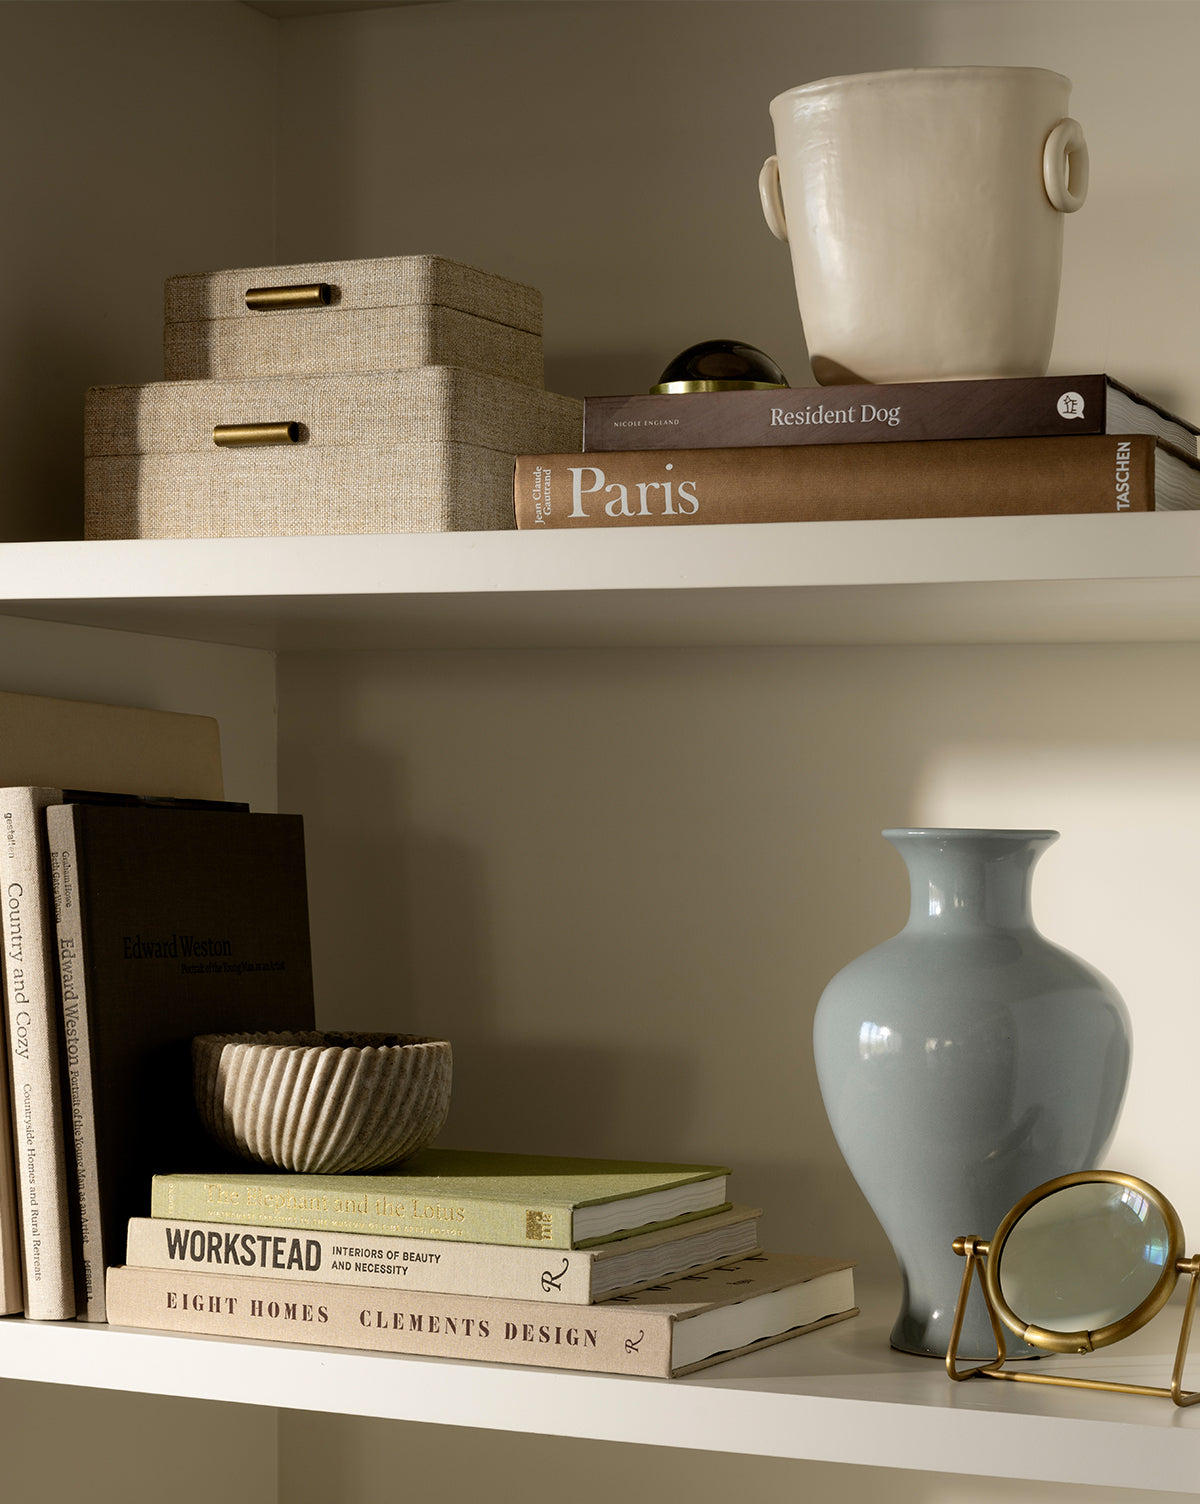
x: 1082, y: 1261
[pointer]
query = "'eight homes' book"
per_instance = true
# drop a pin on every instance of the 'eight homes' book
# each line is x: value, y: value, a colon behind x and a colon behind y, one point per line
x: 475, y: 1196
x: 665, y: 1331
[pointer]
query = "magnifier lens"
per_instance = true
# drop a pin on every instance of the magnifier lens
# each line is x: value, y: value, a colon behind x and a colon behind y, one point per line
x: 1083, y: 1257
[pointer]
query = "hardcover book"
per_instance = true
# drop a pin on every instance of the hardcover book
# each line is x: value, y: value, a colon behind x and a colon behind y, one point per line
x: 110, y: 749
x: 845, y: 482
x: 575, y: 1276
x: 11, y: 1297
x: 32, y: 1002
x: 473, y: 1196
x: 170, y: 923
x: 669, y: 1330
x: 1011, y: 407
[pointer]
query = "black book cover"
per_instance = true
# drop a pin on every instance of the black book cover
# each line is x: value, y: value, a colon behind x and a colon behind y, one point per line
x: 171, y: 923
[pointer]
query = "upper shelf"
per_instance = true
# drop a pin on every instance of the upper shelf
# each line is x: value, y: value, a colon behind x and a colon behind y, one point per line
x: 959, y: 580
x: 838, y: 1395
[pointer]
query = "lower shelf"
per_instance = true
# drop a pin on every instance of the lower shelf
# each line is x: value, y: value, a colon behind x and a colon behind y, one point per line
x: 837, y: 1395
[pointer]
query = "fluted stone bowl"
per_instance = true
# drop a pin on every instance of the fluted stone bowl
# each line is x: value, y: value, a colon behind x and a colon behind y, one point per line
x: 322, y: 1103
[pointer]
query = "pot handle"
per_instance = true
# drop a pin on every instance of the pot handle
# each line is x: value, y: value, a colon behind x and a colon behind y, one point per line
x: 1065, y: 166
x: 772, y: 198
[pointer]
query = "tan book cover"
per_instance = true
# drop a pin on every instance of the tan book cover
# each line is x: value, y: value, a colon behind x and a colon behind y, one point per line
x: 47, y: 744
x: 115, y: 748
x: 669, y: 1330
x: 573, y: 1276
x: 854, y: 482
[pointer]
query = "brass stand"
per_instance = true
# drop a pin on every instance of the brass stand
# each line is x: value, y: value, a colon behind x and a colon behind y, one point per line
x: 975, y: 1251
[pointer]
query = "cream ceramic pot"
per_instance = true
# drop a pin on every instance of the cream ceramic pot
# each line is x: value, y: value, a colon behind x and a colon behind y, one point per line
x: 924, y: 211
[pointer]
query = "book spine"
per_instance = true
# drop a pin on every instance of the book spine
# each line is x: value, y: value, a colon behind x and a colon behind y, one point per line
x: 30, y: 995
x: 343, y: 1206
x: 381, y: 1263
x: 598, y: 1339
x: 64, y: 880
x: 12, y: 1298
x: 1015, y: 407
x: 836, y: 482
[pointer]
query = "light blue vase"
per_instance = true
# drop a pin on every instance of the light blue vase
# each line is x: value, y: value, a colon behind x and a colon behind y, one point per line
x: 963, y: 1062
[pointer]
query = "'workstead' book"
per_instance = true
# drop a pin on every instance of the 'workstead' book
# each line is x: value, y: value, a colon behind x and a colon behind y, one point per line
x: 170, y: 923
x: 669, y: 1330
x: 576, y: 1276
x: 473, y: 1196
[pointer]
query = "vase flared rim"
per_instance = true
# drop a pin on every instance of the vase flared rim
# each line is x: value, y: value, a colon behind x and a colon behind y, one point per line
x: 961, y: 832
x: 941, y: 74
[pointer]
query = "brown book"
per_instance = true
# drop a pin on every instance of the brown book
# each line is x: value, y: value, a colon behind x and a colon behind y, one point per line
x: 1007, y: 407
x: 840, y: 482
x: 170, y: 923
x: 668, y: 1330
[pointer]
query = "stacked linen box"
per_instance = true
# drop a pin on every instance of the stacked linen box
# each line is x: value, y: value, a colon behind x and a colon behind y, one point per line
x: 334, y: 397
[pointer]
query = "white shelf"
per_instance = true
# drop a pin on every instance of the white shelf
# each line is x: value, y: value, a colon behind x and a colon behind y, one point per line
x: 994, y: 579
x: 839, y: 1395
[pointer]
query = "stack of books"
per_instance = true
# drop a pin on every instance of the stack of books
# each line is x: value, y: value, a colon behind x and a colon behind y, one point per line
x: 608, y: 1266
x: 1015, y: 446
x: 141, y: 908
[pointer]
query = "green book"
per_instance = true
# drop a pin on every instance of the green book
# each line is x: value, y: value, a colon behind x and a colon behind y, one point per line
x: 473, y: 1195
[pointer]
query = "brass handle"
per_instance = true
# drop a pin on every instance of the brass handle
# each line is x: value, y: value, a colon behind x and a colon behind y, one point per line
x: 227, y: 434
x: 303, y: 295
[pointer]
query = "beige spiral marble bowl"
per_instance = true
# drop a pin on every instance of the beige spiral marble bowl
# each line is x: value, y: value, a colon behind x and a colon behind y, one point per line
x: 322, y: 1103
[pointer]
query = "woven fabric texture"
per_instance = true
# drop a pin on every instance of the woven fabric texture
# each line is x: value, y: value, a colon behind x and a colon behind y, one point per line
x: 381, y: 282
x: 257, y: 493
x: 427, y: 404
x: 308, y: 341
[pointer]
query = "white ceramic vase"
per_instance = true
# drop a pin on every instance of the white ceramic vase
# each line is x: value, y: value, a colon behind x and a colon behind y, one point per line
x: 924, y: 212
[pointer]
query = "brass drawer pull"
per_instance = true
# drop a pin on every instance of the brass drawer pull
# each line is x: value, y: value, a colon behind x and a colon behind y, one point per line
x: 303, y: 295
x: 227, y: 434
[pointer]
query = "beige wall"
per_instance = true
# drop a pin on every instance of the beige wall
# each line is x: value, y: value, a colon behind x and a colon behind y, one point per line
x: 139, y: 141
x: 608, y: 153
x: 619, y: 881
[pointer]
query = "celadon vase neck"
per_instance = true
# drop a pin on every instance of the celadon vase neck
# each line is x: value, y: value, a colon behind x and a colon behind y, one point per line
x: 970, y: 878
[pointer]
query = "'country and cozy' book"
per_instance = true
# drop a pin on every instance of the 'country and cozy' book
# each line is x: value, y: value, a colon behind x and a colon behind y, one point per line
x: 474, y: 1196
x: 666, y: 1331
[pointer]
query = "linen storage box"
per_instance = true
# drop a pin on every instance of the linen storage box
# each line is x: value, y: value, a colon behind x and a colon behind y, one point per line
x: 390, y: 313
x: 426, y: 450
